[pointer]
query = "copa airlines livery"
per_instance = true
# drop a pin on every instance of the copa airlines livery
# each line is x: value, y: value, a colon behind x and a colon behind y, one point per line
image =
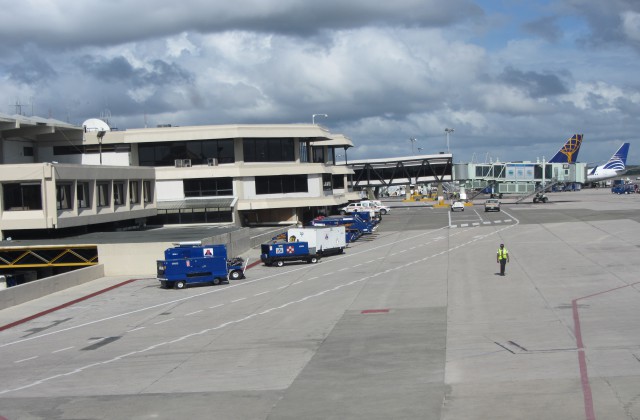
x: 569, y: 152
x: 616, y: 166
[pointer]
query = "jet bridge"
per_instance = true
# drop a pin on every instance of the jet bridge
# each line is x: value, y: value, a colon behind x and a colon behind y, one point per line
x: 401, y: 170
x: 518, y: 177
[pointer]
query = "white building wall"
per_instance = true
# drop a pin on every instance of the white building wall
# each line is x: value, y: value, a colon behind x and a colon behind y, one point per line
x: 170, y: 190
x: 13, y: 151
x: 108, y: 159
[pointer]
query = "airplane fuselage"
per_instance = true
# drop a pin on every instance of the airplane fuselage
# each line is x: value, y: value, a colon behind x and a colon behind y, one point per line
x: 601, y: 174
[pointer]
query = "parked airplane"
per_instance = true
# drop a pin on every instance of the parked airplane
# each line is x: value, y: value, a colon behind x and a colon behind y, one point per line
x: 569, y: 152
x: 616, y: 166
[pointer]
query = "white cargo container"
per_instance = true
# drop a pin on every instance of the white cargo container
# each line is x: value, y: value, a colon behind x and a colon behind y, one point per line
x: 321, y: 239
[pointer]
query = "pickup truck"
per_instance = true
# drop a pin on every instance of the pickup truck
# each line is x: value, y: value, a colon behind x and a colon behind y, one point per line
x: 375, y: 206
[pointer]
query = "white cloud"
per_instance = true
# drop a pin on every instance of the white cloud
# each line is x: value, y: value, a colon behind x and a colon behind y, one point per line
x: 631, y: 25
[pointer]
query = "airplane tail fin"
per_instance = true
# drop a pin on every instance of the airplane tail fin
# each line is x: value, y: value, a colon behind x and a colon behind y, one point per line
x: 569, y: 152
x: 619, y: 159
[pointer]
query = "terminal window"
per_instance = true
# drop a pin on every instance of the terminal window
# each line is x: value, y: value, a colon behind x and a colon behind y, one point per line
x: 281, y: 184
x: 22, y: 196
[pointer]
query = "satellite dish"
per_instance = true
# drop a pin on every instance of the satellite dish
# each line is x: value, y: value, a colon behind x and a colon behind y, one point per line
x: 95, y: 124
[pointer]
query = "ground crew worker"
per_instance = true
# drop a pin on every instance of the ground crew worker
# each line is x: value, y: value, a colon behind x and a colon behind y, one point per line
x: 502, y: 258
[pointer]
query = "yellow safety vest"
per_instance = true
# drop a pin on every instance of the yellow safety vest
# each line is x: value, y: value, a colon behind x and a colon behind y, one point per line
x: 502, y: 253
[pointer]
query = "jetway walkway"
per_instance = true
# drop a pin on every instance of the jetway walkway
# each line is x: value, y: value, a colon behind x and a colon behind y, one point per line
x: 48, y: 256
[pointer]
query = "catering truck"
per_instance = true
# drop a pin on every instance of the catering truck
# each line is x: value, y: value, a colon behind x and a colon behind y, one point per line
x: 192, y: 263
x: 305, y: 244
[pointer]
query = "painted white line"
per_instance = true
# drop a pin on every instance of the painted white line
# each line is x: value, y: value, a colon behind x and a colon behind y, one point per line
x: 486, y: 223
x: 498, y: 221
x: 238, y: 300
x: 216, y: 306
x: 464, y: 225
x: 346, y: 268
x: 298, y: 282
x: 223, y: 289
x: 476, y: 224
x: 262, y: 293
x: 66, y: 348
x: 26, y: 360
x: 162, y: 322
x: 195, y: 312
x: 136, y: 329
x: 508, y: 221
x: 283, y: 287
x: 205, y: 331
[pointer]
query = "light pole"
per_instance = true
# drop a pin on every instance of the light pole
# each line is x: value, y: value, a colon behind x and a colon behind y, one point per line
x: 100, y: 134
x: 419, y: 150
x: 313, y: 117
x: 448, y: 131
x: 412, y: 140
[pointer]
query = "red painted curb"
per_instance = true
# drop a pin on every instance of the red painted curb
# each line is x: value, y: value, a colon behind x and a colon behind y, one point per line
x: 253, y: 264
x: 64, y: 305
x: 99, y: 292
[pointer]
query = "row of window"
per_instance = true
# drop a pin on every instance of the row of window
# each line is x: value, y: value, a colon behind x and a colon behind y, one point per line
x: 279, y: 184
x: 166, y: 153
x: 499, y: 171
x: 105, y: 191
x: 199, y: 152
x: 28, y: 196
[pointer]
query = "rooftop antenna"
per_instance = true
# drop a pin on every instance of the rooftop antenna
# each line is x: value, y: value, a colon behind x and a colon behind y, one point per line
x: 18, y: 106
x: 105, y: 115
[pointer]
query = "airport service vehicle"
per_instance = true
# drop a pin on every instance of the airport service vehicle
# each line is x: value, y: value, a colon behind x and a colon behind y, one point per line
x: 366, y: 205
x: 193, y: 263
x: 540, y: 197
x: 457, y: 205
x: 305, y: 244
x: 623, y: 189
x: 356, y: 224
x: 376, y: 205
x: 492, y: 204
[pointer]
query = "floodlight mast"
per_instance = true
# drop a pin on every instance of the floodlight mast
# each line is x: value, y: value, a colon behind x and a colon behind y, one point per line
x: 413, y: 140
x: 313, y: 117
x: 448, y: 131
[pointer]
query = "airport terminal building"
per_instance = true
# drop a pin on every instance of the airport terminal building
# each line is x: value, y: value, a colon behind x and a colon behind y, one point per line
x: 56, y: 175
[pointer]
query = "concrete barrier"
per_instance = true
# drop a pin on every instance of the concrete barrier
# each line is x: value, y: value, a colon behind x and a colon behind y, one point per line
x: 36, y: 289
x: 134, y: 259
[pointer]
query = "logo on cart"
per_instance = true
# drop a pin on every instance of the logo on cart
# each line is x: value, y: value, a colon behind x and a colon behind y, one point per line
x: 279, y: 250
x: 208, y: 252
x: 290, y: 249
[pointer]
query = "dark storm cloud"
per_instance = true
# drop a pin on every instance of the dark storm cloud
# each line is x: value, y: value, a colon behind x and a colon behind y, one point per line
x: 537, y: 85
x: 68, y: 23
x: 31, y: 69
x: 608, y: 20
x: 119, y: 69
x: 546, y: 28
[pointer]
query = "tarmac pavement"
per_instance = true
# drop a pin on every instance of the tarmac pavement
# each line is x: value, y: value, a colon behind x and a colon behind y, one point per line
x: 411, y: 322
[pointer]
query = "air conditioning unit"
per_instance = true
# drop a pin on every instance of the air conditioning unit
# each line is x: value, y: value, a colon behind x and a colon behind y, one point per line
x: 212, y: 161
x: 183, y: 163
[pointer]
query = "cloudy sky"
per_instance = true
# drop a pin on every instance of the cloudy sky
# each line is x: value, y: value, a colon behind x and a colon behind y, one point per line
x: 514, y: 78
